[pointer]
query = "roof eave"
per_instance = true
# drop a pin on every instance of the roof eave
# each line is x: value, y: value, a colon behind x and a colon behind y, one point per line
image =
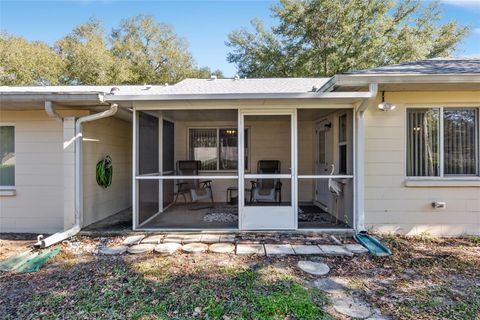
x: 365, y: 79
x: 239, y: 96
x: 50, y: 96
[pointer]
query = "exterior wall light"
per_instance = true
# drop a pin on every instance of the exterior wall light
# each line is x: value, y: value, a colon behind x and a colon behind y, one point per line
x: 385, y: 106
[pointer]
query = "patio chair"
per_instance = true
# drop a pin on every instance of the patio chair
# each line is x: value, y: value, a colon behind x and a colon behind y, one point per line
x: 197, y: 189
x: 267, y: 190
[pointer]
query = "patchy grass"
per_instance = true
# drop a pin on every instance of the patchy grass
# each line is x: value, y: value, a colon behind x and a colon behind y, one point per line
x: 426, y: 278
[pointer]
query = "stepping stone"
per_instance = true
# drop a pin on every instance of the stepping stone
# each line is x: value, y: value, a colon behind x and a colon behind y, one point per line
x: 153, y: 239
x: 227, y: 238
x: 195, y: 248
x: 192, y: 238
x: 356, y: 248
x: 112, y: 251
x: 222, y: 248
x: 133, y: 240
x: 176, y: 238
x: 251, y: 249
x: 210, y: 238
x: 351, y: 307
x: 306, y: 249
x: 315, y: 268
x: 334, y: 250
x: 141, y: 248
x: 167, y: 248
x: 333, y: 285
x: 278, y: 249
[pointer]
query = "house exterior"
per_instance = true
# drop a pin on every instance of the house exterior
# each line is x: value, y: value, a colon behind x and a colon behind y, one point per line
x: 392, y: 149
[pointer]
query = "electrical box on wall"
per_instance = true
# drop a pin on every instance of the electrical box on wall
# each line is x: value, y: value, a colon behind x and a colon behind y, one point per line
x: 439, y: 205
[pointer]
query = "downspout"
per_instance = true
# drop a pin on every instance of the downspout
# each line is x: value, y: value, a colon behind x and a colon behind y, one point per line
x: 60, y: 236
x: 360, y: 163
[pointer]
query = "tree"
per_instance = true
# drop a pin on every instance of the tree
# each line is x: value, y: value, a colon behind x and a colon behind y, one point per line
x: 87, y: 59
x: 155, y: 54
x: 322, y: 38
x: 25, y: 63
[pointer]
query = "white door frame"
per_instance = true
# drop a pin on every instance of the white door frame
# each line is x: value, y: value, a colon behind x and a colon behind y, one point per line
x: 291, y: 210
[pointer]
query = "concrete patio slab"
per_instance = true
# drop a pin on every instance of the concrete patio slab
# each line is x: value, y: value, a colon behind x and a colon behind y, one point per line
x: 133, y: 240
x: 176, y: 238
x: 153, y: 239
x: 279, y: 249
x: 141, y: 248
x: 334, y: 250
x: 306, y: 249
x: 250, y: 249
x: 167, y: 248
x: 210, y: 238
x: 356, y: 248
x: 192, y: 238
x: 112, y: 251
x: 222, y: 247
x: 195, y: 248
x: 227, y: 238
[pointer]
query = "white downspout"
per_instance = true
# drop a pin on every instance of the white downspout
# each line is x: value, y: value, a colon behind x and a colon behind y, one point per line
x: 60, y: 236
x: 360, y: 163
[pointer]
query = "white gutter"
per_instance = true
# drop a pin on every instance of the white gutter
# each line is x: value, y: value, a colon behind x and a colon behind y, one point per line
x: 57, y: 237
x: 360, y: 158
x: 51, y: 111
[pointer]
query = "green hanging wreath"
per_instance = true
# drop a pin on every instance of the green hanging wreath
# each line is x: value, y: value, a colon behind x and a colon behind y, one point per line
x: 104, y: 172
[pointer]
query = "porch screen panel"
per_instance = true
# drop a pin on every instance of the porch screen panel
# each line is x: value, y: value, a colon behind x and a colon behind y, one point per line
x: 422, y: 142
x: 460, y: 141
x: 203, y: 147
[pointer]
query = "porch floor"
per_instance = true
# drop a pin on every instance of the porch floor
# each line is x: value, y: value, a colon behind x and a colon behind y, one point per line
x: 181, y: 216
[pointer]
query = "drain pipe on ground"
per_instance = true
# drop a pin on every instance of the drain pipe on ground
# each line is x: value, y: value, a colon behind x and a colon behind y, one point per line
x: 60, y: 236
x: 360, y: 163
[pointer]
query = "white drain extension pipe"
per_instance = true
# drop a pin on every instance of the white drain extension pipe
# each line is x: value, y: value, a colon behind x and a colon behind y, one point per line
x: 60, y: 236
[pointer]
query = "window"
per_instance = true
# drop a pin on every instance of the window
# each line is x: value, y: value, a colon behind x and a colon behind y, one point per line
x: 7, y: 156
x: 216, y: 148
x: 451, y: 132
x: 342, y: 144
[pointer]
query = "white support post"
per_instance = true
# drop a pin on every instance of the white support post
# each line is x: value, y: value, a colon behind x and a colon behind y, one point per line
x: 294, y: 168
x: 68, y: 172
x: 241, y: 167
x: 134, y: 169
x: 360, y: 171
x: 160, y: 162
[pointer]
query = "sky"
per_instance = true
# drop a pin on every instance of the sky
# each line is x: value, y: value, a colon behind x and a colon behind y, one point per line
x: 204, y: 24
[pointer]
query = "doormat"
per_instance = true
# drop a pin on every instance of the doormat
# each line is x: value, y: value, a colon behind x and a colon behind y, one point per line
x: 221, y: 214
x: 311, y: 213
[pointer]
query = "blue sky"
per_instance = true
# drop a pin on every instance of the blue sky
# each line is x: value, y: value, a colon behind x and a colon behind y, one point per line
x: 205, y: 24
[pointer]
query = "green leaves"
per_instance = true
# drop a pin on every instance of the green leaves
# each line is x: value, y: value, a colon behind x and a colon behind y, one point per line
x: 104, y: 172
x: 323, y: 38
x: 140, y: 51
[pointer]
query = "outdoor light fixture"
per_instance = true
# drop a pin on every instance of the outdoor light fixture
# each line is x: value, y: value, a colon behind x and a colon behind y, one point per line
x: 385, y: 106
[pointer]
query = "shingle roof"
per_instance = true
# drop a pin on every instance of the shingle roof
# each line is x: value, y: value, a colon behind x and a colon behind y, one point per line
x: 190, y: 86
x: 430, y: 66
x: 229, y: 86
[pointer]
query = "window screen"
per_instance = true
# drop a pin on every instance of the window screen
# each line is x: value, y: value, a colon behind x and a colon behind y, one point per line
x: 423, y: 142
x: 7, y: 156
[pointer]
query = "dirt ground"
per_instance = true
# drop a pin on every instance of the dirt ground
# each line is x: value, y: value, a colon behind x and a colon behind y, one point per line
x: 426, y: 278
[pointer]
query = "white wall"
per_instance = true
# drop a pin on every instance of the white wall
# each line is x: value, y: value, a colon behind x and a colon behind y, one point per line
x: 391, y: 206
x: 109, y: 136
x: 38, y: 205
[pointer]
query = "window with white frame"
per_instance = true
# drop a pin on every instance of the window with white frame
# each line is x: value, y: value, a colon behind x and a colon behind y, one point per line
x: 442, y: 142
x: 7, y: 157
x: 216, y: 148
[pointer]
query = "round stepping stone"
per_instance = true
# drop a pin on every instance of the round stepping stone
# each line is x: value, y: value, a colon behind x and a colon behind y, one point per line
x: 315, y: 268
x: 167, y: 248
x: 112, y: 251
x: 351, y: 307
x: 222, y: 247
x: 153, y: 239
x: 331, y: 285
x: 141, y: 248
x: 195, y: 248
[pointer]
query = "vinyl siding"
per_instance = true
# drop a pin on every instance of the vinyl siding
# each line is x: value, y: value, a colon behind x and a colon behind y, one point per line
x: 390, y: 206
